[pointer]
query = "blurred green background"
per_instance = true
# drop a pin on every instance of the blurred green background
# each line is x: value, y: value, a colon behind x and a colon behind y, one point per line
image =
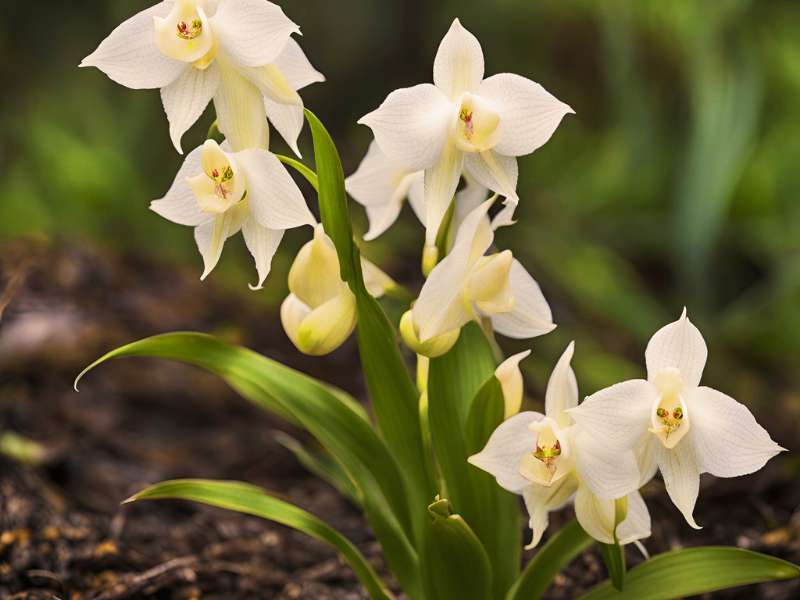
x: 675, y: 184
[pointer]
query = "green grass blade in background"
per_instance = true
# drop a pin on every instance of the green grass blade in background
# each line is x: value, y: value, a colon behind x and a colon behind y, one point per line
x: 394, y: 397
x: 455, y: 563
x: 249, y: 499
x: 454, y: 380
x: 560, y: 550
x: 693, y: 571
x: 614, y: 559
x: 339, y: 427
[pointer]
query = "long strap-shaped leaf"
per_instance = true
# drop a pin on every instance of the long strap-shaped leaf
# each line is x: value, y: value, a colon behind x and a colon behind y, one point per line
x: 252, y: 500
x: 394, y: 396
x: 556, y: 554
x: 335, y: 422
x: 455, y: 382
x: 694, y: 571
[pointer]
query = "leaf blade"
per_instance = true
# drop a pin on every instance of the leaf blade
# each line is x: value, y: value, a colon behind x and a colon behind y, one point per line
x: 691, y: 571
x: 249, y: 499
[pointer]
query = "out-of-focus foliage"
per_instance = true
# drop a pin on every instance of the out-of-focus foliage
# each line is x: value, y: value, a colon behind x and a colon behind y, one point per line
x: 676, y: 182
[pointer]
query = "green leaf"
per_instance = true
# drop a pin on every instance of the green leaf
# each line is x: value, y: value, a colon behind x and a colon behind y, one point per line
x: 693, y: 571
x: 552, y: 558
x: 454, y: 380
x: 305, y: 171
x: 252, y: 500
x: 321, y: 464
x: 485, y: 415
x: 454, y: 561
x: 394, y: 397
x: 333, y: 418
x: 614, y: 559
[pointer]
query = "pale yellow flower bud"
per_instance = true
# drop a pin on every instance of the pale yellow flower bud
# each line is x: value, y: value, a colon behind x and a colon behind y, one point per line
x: 436, y: 346
x: 510, y: 378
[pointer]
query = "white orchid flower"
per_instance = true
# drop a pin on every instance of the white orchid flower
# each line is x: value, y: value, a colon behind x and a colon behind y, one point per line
x: 464, y: 123
x: 548, y: 459
x: 382, y: 186
x: 219, y: 192
x: 319, y: 313
x: 469, y: 285
x: 675, y: 424
x: 237, y: 52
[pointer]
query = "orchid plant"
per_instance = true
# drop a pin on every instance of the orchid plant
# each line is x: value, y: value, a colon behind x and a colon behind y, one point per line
x: 438, y: 472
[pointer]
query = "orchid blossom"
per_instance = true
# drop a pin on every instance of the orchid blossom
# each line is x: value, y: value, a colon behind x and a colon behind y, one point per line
x: 470, y: 285
x: 237, y: 52
x: 675, y: 424
x: 464, y: 123
x: 219, y: 192
x: 319, y: 313
x: 547, y: 459
x: 382, y: 186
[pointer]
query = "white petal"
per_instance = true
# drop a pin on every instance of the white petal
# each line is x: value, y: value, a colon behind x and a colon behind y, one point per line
x: 562, y: 389
x: 411, y: 125
x: 636, y: 525
x: 381, y: 217
x: 531, y: 316
x: 727, y: 439
x: 314, y: 276
x: 241, y: 113
x: 439, y: 308
x: 287, y: 119
x: 416, y: 195
x: 381, y: 186
x: 681, y: 477
x: 252, y: 32
x: 529, y: 115
x: 458, y: 66
x: 619, y: 415
x: 509, y: 375
x: 610, y: 474
x: 129, y: 54
x: 540, y: 500
x: 467, y: 200
x: 262, y: 244
x: 375, y: 280
x: 296, y: 67
x: 492, y: 170
x: 441, y: 182
x: 646, y: 452
x: 275, y: 199
x: 186, y: 98
x: 596, y: 515
x: 504, y: 451
x: 679, y: 345
x: 210, y: 237
x: 179, y: 205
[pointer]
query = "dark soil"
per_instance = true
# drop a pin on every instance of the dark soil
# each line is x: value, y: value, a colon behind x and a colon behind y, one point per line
x: 63, y: 532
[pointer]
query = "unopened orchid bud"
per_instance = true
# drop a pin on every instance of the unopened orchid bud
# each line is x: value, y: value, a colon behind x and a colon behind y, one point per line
x: 510, y: 378
x: 433, y: 347
x: 320, y: 312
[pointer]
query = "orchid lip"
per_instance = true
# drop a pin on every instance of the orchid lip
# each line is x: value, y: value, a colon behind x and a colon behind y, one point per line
x: 669, y: 416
